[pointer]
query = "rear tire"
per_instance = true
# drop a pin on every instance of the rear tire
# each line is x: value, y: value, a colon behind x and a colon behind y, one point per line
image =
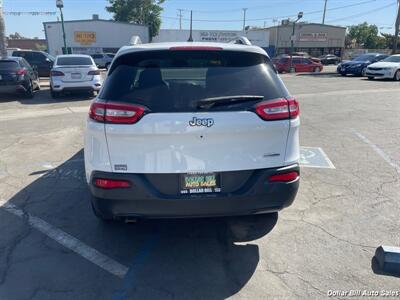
x: 29, y: 91
x: 54, y: 95
x: 396, y: 76
x: 364, y: 72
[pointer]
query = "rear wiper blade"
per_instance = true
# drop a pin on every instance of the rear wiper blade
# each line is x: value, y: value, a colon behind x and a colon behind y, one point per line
x: 209, y: 102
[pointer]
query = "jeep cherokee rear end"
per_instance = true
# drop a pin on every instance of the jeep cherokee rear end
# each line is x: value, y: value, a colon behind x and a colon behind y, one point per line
x: 189, y: 130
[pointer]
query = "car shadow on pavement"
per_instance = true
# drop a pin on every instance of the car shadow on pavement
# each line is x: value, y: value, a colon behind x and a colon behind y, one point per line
x: 192, y: 258
x: 43, y: 97
x: 320, y: 74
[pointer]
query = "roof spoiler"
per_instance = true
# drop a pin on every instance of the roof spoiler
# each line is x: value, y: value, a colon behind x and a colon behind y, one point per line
x: 241, y: 40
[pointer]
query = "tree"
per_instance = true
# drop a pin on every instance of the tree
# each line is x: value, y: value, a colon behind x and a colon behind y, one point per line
x: 365, y: 35
x: 3, y: 43
x: 146, y: 12
x: 16, y: 36
x: 389, y: 40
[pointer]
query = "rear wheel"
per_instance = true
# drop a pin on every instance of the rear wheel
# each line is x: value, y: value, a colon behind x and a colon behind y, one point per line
x: 54, y: 95
x: 29, y: 90
x: 364, y: 72
x: 397, y: 75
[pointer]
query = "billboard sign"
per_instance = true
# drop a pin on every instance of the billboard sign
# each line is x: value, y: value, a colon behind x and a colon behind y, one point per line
x: 85, y: 37
x: 313, y: 37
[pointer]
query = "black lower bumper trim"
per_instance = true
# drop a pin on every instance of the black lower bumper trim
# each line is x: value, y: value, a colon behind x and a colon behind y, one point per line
x: 143, y: 199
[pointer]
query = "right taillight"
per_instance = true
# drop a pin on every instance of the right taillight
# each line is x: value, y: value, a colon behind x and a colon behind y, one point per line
x: 118, y: 113
x: 278, y: 109
x: 284, y: 177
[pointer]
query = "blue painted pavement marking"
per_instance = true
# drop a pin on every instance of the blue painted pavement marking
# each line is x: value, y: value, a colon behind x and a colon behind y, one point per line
x: 138, y: 262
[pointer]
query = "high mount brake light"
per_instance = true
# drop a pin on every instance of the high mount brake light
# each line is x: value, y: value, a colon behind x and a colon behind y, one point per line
x: 278, y: 109
x: 195, y: 48
x: 118, y: 113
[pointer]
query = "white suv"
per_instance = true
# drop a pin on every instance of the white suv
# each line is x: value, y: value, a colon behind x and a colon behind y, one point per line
x: 192, y: 130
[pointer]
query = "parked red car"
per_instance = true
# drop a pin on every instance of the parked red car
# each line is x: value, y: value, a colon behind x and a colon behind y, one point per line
x: 300, y: 64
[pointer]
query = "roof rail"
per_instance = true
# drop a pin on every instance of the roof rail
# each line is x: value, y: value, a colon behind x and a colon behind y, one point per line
x: 241, y: 40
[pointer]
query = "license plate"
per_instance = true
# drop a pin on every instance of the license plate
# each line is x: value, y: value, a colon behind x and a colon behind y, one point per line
x: 200, y: 183
x: 76, y: 76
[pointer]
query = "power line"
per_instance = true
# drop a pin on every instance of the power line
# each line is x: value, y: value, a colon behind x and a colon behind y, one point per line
x: 363, y: 13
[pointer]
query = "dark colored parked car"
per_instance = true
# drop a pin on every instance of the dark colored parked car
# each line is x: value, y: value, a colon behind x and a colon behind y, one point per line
x: 300, y: 64
x: 39, y: 59
x: 358, y: 66
x: 17, y: 76
x: 329, y: 59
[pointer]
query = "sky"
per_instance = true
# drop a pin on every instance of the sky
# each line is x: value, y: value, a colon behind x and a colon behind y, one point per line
x: 211, y: 14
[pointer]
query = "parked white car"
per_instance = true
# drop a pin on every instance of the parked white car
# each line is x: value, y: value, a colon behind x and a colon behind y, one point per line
x: 103, y: 60
x: 192, y: 130
x: 387, y: 68
x: 74, y: 72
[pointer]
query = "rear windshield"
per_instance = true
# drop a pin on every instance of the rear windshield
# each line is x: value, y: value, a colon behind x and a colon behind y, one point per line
x: 74, y: 61
x: 8, y: 65
x: 175, y: 81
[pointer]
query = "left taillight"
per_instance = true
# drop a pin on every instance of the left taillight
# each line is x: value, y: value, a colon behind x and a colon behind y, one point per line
x: 94, y: 72
x: 117, y: 113
x: 56, y: 73
x: 278, y: 109
x: 111, y: 183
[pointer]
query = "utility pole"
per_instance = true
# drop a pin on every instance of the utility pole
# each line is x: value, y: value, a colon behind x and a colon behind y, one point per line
x: 60, y: 5
x: 396, y: 31
x: 3, y: 42
x: 299, y: 16
x: 244, y: 18
x: 191, y: 24
x: 323, y: 17
x: 180, y: 18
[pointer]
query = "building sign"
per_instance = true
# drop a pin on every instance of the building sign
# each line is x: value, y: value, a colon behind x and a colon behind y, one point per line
x: 313, y: 37
x: 85, y: 37
x: 217, y: 36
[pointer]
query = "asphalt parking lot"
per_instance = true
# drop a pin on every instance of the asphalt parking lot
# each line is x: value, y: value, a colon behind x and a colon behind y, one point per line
x: 52, y: 247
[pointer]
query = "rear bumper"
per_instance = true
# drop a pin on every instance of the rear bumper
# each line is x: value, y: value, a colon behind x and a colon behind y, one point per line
x: 255, y: 195
x: 13, y: 87
x: 60, y: 86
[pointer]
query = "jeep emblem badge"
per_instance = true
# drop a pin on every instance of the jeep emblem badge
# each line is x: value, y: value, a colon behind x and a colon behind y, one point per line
x: 201, y: 122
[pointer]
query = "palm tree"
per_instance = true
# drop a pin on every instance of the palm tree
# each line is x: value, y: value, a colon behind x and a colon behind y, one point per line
x: 3, y: 48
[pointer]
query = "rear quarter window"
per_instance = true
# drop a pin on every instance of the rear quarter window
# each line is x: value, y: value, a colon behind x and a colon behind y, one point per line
x: 174, y: 81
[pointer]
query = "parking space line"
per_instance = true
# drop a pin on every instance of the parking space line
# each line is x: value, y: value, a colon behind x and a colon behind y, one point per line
x: 68, y: 241
x: 378, y: 150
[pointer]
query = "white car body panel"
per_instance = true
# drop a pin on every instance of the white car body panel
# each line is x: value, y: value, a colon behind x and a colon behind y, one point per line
x: 166, y: 143
x: 390, y: 69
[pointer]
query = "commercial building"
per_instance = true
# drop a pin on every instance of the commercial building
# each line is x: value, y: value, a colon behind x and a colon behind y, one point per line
x: 259, y: 38
x: 315, y: 39
x: 92, y: 36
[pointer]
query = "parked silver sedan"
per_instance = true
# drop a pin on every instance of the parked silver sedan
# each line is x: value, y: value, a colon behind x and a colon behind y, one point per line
x: 74, y: 72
